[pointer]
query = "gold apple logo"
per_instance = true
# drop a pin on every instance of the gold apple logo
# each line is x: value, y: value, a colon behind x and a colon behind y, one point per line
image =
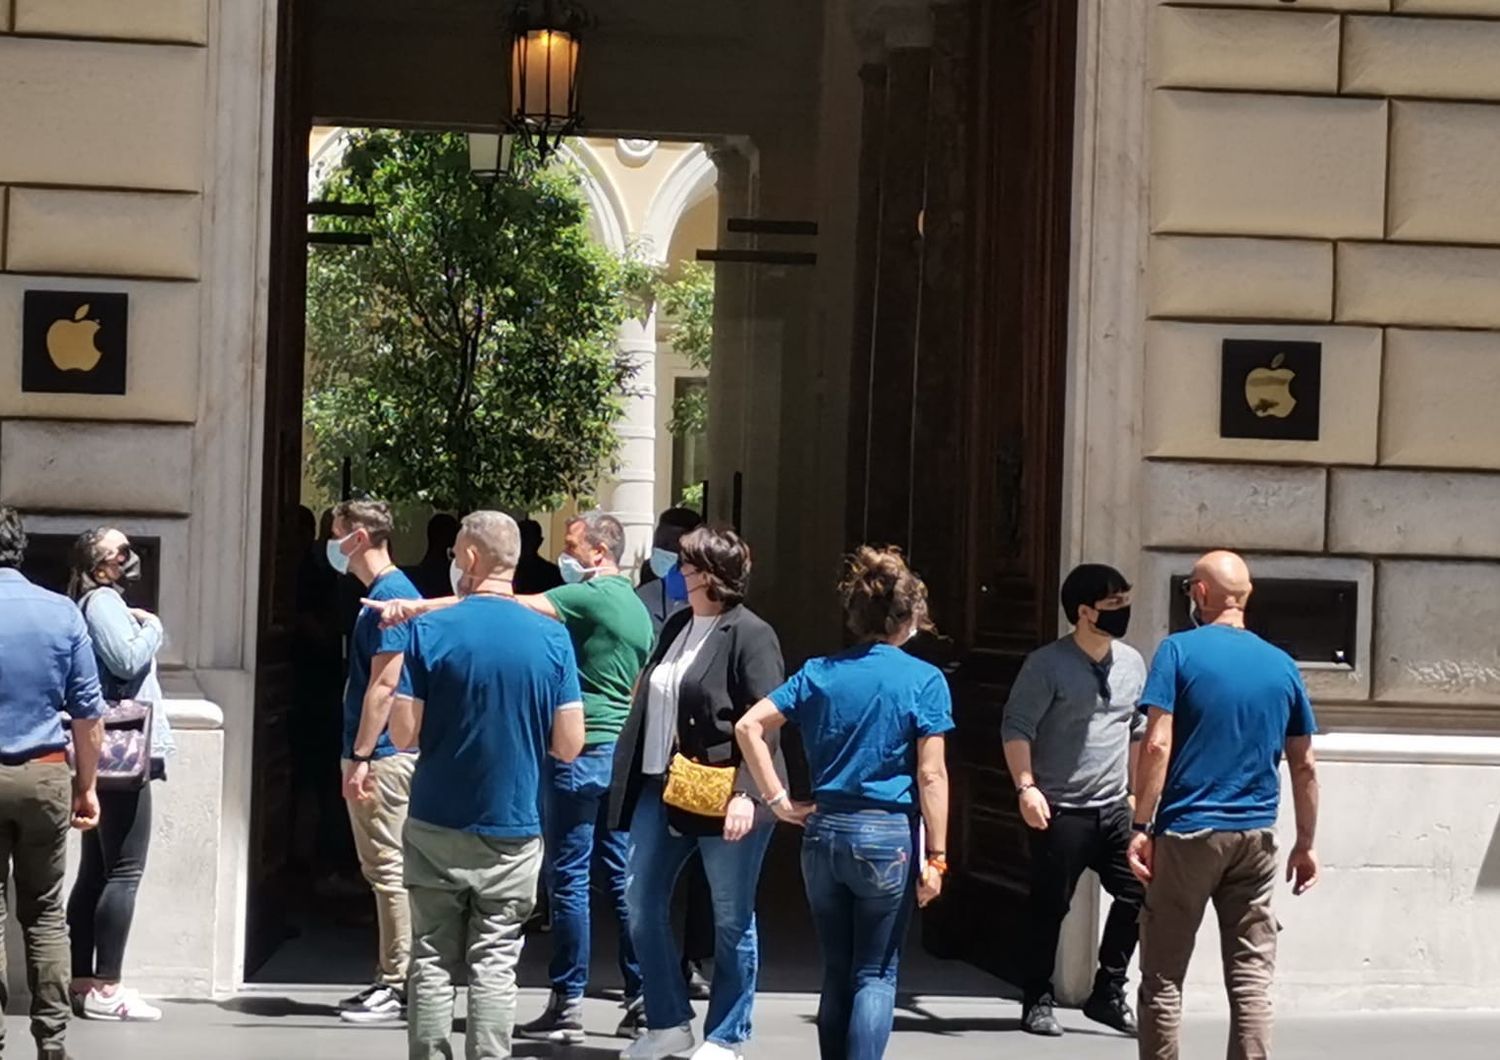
x: 70, y: 343
x: 1268, y: 391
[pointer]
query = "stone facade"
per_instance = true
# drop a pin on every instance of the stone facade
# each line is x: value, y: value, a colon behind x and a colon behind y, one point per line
x: 137, y: 161
x: 1328, y: 172
x: 1317, y: 171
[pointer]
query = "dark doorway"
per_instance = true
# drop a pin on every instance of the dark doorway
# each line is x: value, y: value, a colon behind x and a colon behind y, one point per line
x: 964, y: 468
x: 956, y: 413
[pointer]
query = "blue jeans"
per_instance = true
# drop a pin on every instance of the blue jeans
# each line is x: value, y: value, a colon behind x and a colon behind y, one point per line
x: 860, y: 885
x: 576, y: 794
x: 656, y: 857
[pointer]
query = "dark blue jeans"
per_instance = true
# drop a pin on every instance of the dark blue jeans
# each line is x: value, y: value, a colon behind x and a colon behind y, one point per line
x: 860, y: 884
x: 657, y: 855
x: 577, y: 841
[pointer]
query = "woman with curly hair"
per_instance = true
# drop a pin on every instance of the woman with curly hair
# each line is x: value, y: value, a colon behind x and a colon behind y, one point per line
x: 872, y: 720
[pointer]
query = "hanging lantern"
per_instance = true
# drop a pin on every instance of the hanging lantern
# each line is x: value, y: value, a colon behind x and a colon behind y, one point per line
x: 544, y: 52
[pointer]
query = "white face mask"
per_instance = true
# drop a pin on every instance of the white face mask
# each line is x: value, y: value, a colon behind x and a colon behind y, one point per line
x: 336, y: 557
x: 455, y: 577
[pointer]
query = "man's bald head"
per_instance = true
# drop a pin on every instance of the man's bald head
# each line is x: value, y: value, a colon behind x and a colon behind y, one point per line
x: 1220, y: 584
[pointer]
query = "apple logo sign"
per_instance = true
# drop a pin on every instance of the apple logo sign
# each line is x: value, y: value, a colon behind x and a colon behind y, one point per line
x: 1268, y: 391
x: 70, y: 343
x: 74, y: 342
x: 1271, y: 389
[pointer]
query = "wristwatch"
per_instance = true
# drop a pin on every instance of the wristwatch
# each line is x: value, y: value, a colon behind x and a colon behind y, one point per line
x: 1021, y: 789
x: 1137, y: 826
x: 355, y: 756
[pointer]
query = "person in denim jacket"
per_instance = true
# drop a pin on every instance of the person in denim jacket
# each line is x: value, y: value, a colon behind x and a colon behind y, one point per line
x: 102, y: 905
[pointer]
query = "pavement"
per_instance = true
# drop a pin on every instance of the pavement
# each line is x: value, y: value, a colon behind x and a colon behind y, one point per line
x: 299, y: 1024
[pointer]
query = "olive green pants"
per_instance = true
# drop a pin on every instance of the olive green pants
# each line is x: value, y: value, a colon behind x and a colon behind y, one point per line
x: 36, y: 806
x: 470, y: 896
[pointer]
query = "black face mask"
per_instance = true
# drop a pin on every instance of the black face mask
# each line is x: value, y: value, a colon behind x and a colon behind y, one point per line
x: 130, y: 570
x: 1114, y: 623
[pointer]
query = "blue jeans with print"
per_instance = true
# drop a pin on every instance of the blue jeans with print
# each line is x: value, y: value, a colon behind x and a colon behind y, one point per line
x: 657, y: 855
x: 858, y: 871
x: 576, y: 797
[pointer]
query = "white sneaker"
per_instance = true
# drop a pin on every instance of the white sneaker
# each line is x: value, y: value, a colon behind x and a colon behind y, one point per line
x: 658, y: 1045
x: 123, y: 1006
x: 715, y: 1051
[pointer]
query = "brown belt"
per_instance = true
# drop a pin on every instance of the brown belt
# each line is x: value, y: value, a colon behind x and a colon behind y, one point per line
x: 50, y: 757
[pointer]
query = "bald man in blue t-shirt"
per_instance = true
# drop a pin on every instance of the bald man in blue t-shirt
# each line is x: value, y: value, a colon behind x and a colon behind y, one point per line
x: 1222, y: 706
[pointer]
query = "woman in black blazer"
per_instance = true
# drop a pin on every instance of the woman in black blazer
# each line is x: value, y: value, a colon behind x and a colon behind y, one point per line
x: 713, y: 661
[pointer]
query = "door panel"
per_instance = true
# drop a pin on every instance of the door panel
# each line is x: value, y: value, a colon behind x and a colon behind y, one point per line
x: 1018, y: 326
x: 979, y: 503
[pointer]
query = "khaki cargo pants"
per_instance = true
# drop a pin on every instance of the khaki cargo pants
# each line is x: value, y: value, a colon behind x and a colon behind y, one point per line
x: 377, y: 824
x: 1237, y: 872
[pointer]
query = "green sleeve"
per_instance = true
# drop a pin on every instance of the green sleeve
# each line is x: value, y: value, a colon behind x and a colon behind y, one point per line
x: 571, y: 602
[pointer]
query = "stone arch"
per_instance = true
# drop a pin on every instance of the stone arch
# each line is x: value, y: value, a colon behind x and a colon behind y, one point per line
x: 607, y: 217
x: 691, y: 180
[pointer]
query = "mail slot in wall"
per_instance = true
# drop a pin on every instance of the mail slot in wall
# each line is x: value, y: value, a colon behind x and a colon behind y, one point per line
x: 1312, y: 621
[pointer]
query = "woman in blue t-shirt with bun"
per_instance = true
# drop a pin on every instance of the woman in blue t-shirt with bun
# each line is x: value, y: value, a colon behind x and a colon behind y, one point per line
x: 872, y: 720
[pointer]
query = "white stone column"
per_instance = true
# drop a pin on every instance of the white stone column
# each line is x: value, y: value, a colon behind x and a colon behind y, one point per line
x: 1102, y: 461
x: 630, y: 493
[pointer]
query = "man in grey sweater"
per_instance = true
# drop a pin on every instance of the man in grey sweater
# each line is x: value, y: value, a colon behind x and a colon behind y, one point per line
x: 1071, y: 732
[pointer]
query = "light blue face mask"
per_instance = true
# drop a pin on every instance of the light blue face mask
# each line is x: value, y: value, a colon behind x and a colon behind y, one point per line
x: 336, y: 558
x: 573, y: 572
x: 662, y: 562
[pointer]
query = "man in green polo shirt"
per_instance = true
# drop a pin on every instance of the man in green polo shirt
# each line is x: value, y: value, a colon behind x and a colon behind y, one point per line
x: 612, y: 637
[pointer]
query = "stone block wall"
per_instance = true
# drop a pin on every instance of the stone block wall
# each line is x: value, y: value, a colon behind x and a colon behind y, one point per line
x: 1329, y: 170
x: 102, y: 183
x: 135, y: 158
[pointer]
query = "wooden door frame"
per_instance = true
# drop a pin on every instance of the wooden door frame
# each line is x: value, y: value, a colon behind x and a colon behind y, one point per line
x: 286, y: 316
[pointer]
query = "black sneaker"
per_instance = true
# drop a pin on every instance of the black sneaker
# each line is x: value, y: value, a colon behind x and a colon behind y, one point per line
x: 1038, y: 1018
x: 1112, y: 1010
x: 381, y: 1003
x: 560, y: 1024
x: 698, y: 987
x: 634, y: 1020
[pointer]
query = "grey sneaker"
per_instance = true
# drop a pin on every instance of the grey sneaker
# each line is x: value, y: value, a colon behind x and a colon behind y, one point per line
x: 1038, y: 1018
x: 560, y: 1024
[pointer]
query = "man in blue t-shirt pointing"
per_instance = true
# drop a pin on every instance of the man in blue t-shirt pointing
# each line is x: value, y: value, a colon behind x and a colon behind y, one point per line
x: 494, y: 688
x: 1222, y: 706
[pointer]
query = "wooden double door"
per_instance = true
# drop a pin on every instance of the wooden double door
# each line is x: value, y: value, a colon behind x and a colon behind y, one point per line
x: 964, y: 469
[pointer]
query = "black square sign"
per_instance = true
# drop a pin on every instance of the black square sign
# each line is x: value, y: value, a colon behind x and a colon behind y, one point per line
x: 73, y: 342
x: 1271, y: 389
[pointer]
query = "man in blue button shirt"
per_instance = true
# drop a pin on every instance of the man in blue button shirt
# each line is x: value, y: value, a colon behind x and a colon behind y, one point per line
x: 494, y: 688
x: 47, y: 670
x: 1222, y: 707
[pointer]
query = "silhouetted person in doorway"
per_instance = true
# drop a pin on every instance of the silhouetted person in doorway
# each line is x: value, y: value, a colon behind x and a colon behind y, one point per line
x: 534, y: 574
x: 318, y: 668
x: 430, y: 576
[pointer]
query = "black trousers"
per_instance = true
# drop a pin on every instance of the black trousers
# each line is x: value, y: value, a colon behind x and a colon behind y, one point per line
x: 102, y: 905
x: 1077, y: 840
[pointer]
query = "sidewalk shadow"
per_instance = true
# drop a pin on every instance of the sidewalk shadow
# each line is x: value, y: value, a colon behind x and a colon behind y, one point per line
x: 276, y: 1007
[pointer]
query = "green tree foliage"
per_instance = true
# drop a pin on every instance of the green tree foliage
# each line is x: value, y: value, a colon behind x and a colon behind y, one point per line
x: 468, y: 358
x: 688, y: 302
